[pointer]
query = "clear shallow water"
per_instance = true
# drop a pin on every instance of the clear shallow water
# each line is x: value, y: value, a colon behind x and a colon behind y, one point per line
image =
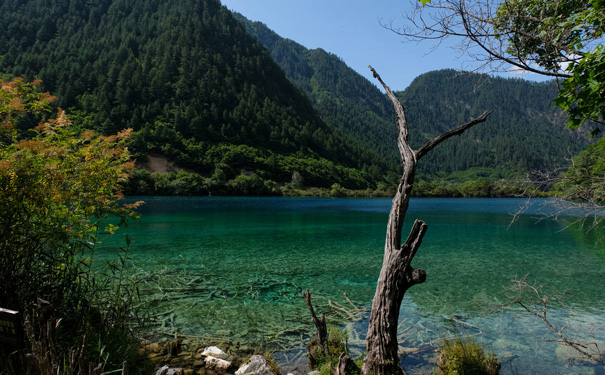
x: 234, y: 268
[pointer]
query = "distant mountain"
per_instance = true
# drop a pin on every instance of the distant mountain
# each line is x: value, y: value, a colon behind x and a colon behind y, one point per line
x: 186, y: 75
x: 340, y: 95
x: 524, y: 133
x: 240, y: 105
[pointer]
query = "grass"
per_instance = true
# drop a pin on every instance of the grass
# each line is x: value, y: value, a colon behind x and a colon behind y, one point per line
x: 466, y: 357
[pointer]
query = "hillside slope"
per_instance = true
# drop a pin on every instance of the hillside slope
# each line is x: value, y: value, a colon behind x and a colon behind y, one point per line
x: 340, y: 95
x: 188, y: 78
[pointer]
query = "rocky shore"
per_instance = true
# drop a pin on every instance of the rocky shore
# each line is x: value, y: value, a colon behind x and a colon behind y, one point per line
x: 189, y: 357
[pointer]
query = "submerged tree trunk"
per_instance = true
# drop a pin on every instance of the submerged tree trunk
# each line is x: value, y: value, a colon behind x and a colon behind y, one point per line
x: 397, y: 275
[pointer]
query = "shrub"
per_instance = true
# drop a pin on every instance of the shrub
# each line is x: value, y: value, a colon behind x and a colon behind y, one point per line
x: 324, y: 362
x: 55, y: 188
x: 465, y: 357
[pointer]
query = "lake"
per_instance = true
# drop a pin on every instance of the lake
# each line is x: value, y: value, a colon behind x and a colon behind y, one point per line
x: 234, y: 269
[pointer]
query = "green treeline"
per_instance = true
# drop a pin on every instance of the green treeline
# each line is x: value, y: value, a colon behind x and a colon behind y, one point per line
x: 248, y: 183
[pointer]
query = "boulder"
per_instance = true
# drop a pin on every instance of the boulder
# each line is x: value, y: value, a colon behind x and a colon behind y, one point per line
x: 217, y: 364
x: 257, y: 365
x: 213, y: 351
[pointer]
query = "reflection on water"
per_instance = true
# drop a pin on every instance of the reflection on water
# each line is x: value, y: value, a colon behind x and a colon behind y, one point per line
x: 235, y: 268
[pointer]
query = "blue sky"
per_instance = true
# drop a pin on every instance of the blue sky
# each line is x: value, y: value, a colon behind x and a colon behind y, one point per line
x: 351, y: 30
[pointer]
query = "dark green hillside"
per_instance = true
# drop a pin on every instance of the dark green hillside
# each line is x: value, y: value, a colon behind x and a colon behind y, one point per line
x: 341, y: 96
x: 188, y: 78
x: 525, y: 132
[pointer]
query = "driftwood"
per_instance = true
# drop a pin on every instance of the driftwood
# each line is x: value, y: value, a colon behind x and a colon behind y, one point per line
x: 397, y: 275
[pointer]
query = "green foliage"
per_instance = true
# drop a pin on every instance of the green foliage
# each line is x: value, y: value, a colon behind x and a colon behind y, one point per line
x: 56, y: 186
x: 465, y: 357
x: 553, y: 33
x: 326, y: 361
x: 585, y: 178
x: 583, y: 94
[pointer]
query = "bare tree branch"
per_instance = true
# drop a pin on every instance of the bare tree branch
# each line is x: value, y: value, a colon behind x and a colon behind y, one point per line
x: 459, y: 130
x: 588, y: 349
x: 487, y: 39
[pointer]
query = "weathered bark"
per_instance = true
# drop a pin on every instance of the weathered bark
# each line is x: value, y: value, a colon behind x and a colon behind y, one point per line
x: 397, y: 275
x: 346, y: 366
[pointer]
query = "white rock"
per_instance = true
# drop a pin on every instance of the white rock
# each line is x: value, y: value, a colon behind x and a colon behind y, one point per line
x: 213, y: 351
x: 256, y: 366
x: 217, y: 363
x: 242, y: 369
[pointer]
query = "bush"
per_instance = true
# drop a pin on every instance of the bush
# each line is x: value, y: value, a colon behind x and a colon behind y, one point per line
x: 465, y: 357
x: 55, y: 188
x: 324, y: 362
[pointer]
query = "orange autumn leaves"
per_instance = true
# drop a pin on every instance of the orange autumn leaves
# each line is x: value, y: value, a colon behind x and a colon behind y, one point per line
x: 52, y: 177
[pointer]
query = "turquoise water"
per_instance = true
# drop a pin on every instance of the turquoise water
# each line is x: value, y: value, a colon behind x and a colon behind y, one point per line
x: 234, y: 269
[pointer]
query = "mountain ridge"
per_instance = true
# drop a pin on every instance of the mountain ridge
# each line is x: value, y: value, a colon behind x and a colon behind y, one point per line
x: 436, y: 102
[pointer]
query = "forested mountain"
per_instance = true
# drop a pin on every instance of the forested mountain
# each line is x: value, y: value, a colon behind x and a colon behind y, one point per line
x: 524, y: 133
x: 188, y: 78
x: 340, y: 95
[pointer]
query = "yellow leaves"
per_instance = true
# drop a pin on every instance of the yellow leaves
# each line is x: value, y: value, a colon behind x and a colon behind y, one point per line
x: 134, y: 205
x: 49, y: 127
x: 5, y: 166
x: 17, y: 97
x: 129, y: 165
x: 16, y: 104
x: 62, y: 179
x: 12, y: 85
x: 33, y: 145
x: 110, y: 139
x: 12, y: 177
x: 47, y: 97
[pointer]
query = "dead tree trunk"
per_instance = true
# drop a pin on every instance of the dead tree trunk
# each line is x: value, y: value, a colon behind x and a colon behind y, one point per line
x: 397, y: 275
